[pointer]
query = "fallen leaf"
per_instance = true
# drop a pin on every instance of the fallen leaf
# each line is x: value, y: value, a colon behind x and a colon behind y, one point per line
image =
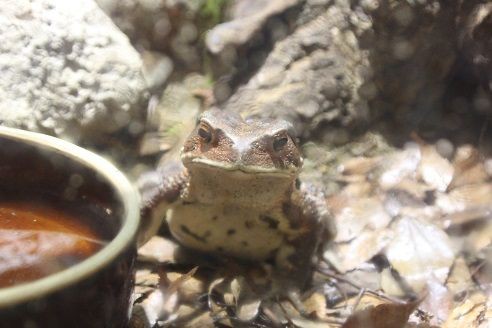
x: 306, y: 323
x: 315, y: 305
x: 479, y: 238
x: 358, y: 165
x: 468, y: 169
x: 154, y: 307
x: 145, y: 277
x: 366, y: 275
x: 247, y: 302
x: 469, y: 313
x: 138, y: 318
x: 348, y: 256
x: 204, y: 320
x: 459, y: 279
x: 359, y: 189
x: 438, y: 301
x: 420, y: 251
x: 386, y: 315
x: 390, y: 285
x: 358, y: 215
x: 435, y: 170
x: 158, y: 249
x: 215, y: 307
x: 170, y: 286
x: 397, y: 199
x: 486, y: 322
x: 482, y: 271
x: 189, y: 287
x: 399, y: 166
x: 464, y: 197
x: 470, y: 214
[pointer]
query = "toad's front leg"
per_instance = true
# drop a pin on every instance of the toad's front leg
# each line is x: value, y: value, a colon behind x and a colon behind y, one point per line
x: 159, y: 189
x: 312, y: 224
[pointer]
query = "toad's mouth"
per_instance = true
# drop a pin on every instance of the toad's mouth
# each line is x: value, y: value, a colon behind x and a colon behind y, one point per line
x: 241, y: 167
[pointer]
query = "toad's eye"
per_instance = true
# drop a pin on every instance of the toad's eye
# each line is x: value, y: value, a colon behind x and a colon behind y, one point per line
x: 205, y: 132
x: 279, y: 143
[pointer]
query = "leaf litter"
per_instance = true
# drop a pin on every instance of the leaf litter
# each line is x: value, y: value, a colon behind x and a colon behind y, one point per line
x: 413, y: 249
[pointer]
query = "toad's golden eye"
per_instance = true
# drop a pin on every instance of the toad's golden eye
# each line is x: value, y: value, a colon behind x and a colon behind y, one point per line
x: 205, y: 132
x: 279, y: 143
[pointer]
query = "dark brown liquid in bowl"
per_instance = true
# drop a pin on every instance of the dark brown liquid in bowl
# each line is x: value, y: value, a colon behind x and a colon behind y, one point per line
x: 38, y: 239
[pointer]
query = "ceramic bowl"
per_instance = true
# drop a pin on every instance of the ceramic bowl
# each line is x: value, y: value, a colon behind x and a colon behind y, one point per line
x: 95, y: 292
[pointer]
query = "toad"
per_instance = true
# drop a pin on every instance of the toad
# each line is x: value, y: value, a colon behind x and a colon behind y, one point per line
x: 236, y: 193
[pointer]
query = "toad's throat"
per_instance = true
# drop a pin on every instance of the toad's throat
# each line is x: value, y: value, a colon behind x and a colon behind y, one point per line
x: 241, y: 167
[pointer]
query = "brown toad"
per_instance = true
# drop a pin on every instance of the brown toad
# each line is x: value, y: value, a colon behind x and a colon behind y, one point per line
x: 236, y: 193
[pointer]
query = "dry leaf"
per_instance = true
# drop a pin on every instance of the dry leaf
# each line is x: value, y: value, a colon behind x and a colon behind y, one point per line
x: 479, y: 238
x: 469, y: 313
x: 399, y: 166
x: 453, y: 220
x: 247, y: 302
x: 348, y: 256
x: 158, y: 249
x: 138, y: 318
x: 462, y: 198
x: 315, y: 305
x: 360, y: 302
x: 459, y: 279
x: 435, y: 170
x: 144, y: 277
x: 358, y: 165
x: 306, y: 323
x: 248, y: 310
x: 204, y: 320
x: 437, y: 302
x: 358, y: 189
x: 185, y: 311
x: 170, y: 286
x: 486, y: 321
x: 154, y: 307
x: 366, y: 275
x: 418, y: 186
x: 390, y: 284
x: 358, y: 215
x: 396, y: 200
x: 468, y: 167
x: 386, y: 315
x: 420, y: 251
x: 216, y: 309
x: 189, y: 287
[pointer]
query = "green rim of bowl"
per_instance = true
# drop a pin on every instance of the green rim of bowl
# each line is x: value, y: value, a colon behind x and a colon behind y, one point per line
x: 11, y: 296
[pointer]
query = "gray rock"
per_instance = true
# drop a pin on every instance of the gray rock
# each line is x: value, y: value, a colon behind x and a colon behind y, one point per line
x: 413, y: 50
x: 68, y: 71
x: 248, y: 17
x: 475, y: 43
x: 310, y: 77
x: 347, y: 63
x: 167, y: 26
